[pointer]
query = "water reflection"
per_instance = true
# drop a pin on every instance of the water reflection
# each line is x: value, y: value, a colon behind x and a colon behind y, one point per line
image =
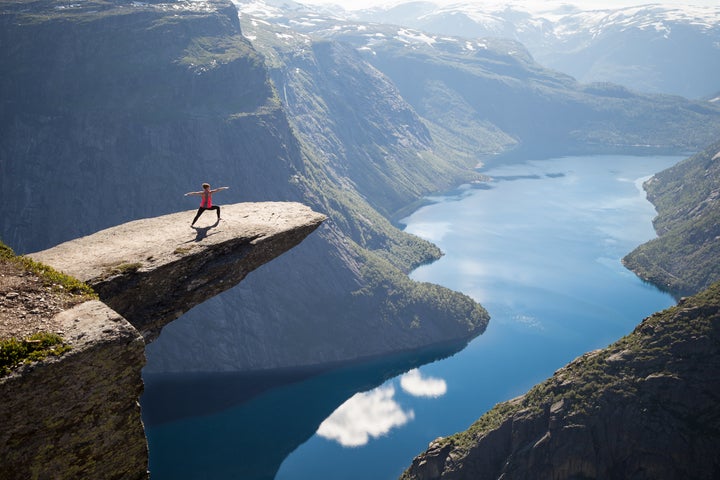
x: 210, y: 438
x: 434, y: 231
x: 375, y: 413
x: 364, y: 415
x: 414, y: 383
x: 528, y: 320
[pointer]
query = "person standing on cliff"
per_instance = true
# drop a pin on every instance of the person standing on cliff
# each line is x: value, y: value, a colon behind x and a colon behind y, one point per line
x: 206, y: 200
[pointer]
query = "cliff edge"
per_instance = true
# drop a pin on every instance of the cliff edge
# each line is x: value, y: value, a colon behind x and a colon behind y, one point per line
x: 77, y: 415
x: 153, y: 270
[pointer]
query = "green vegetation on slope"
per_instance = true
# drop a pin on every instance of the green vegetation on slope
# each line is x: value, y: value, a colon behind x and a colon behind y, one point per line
x: 386, y: 254
x: 364, y: 135
x: 372, y: 231
x: 684, y: 258
x: 37, y: 346
x: 14, y: 352
x: 418, y: 302
x: 367, y: 154
x: 53, y: 278
x: 692, y: 327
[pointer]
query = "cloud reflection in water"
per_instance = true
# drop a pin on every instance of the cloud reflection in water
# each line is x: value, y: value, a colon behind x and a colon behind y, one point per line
x: 418, y: 386
x: 365, y: 415
x: 373, y: 414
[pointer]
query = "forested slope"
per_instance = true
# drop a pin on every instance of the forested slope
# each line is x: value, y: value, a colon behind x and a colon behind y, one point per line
x: 684, y: 258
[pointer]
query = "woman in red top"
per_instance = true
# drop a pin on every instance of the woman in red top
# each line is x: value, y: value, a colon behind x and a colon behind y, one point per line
x: 206, y: 200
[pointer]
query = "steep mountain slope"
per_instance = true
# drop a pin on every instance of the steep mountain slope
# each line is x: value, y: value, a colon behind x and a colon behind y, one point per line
x: 644, y: 48
x: 360, y: 125
x: 485, y: 96
x: 111, y: 111
x: 100, y: 129
x: 684, y: 257
x: 449, y: 106
x: 646, y: 407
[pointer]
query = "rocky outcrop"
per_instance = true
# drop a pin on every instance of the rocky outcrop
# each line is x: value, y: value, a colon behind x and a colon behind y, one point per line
x: 78, y: 416
x: 647, y: 407
x: 153, y: 270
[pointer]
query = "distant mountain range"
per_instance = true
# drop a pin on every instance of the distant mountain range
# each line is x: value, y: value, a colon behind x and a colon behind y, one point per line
x: 651, y: 48
x: 486, y: 94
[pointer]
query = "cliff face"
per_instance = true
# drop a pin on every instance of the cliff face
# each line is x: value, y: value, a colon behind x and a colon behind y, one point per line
x: 77, y: 415
x: 112, y: 110
x: 644, y: 408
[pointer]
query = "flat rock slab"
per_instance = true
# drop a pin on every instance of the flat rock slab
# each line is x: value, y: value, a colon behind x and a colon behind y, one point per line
x: 153, y: 270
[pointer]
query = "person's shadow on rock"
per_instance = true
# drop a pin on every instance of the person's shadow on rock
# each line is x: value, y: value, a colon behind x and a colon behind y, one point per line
x: 202, y: 232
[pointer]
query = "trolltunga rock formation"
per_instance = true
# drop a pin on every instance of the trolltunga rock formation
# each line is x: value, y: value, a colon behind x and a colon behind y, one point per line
x: 151, y: 271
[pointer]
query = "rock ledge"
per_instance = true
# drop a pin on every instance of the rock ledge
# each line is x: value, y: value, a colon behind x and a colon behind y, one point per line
x: 78, y: 416
x: 153, y: 270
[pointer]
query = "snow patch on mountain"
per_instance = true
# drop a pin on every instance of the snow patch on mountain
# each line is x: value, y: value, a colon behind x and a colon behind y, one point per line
x: 657, y: 48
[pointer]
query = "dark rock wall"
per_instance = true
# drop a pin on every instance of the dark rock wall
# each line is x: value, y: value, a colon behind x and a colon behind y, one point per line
x: 111, y: 115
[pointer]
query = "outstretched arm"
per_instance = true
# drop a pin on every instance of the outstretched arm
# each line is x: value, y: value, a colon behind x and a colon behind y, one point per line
x: 218, y: 189
x: 193, y: 193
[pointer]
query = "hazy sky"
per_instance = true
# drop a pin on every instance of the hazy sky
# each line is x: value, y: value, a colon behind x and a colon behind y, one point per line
x: 585, y: 4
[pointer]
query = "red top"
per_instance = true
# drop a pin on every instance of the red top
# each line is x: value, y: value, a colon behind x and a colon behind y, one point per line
x: 206, y: 200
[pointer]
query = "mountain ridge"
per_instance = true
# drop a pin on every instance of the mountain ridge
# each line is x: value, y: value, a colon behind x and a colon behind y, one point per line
x: 641, y: 47
x: 495, y: 93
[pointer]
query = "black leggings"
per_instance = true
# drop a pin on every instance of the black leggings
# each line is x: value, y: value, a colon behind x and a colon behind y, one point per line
x: 202, y: 209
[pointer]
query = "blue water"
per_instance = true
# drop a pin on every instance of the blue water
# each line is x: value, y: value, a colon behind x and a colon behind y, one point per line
x: 539, y: 246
